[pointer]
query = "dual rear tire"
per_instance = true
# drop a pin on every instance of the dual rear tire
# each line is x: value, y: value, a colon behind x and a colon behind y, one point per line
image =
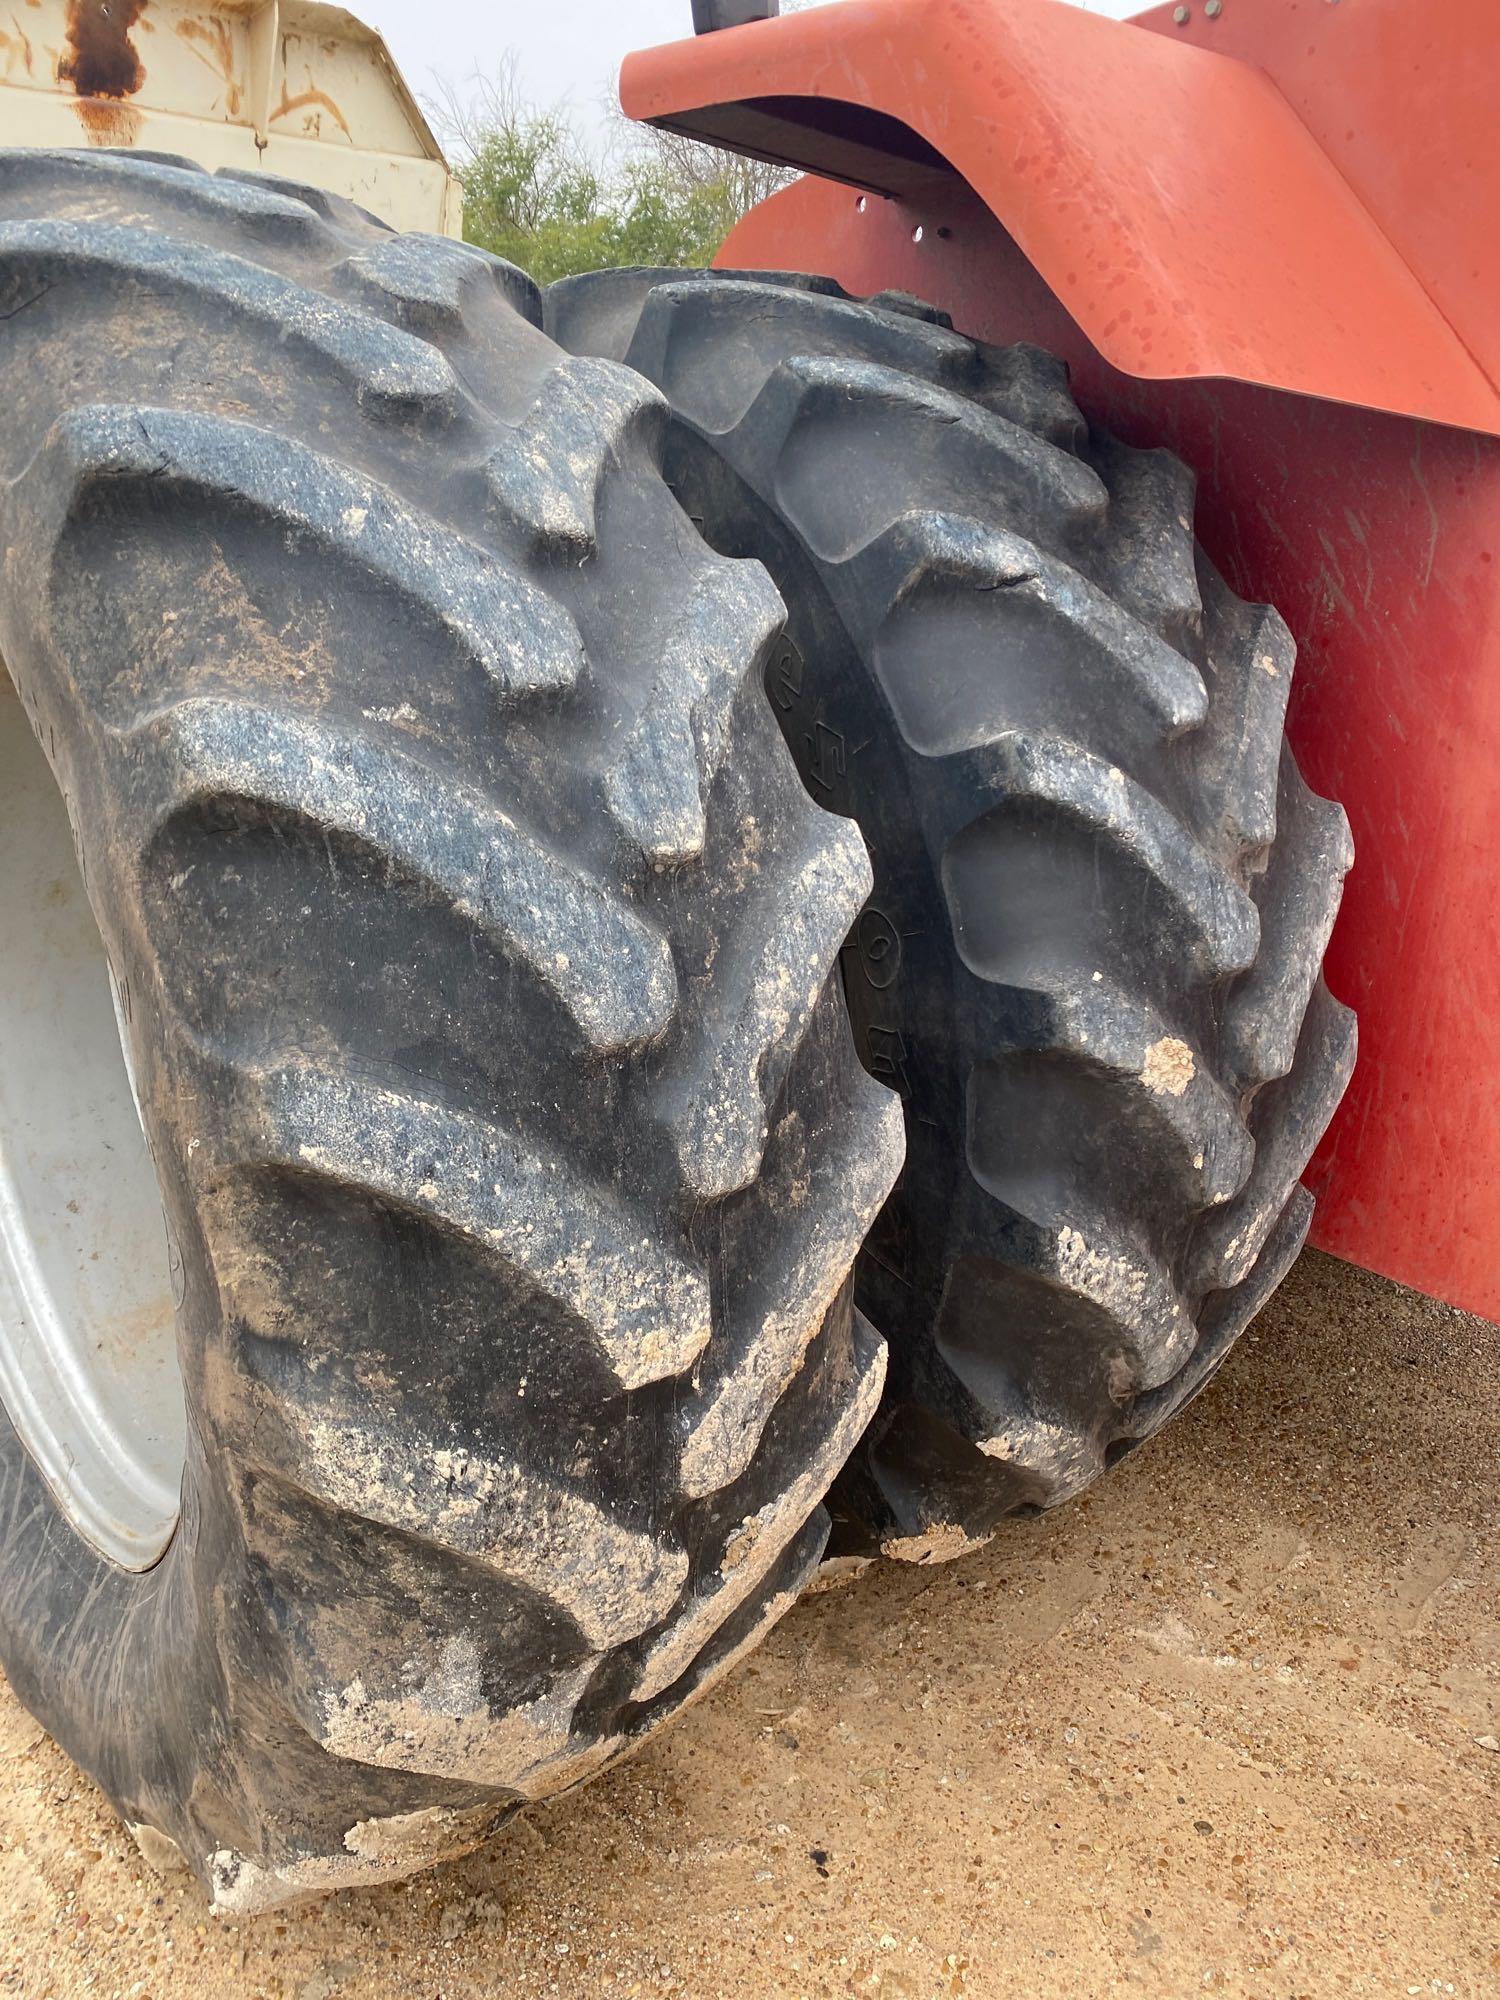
x: 475, y: 952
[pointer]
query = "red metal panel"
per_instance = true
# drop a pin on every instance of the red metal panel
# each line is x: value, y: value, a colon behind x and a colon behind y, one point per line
x: 1400, y: 94
x: 1169, y: 194
x: 1199, y: 235
x: 1379, y: 538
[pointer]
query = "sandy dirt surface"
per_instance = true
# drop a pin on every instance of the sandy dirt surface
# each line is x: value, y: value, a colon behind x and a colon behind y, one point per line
x: 1228, y: 1726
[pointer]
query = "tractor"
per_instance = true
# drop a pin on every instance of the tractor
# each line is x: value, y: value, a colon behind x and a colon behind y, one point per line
x: 661, y: 931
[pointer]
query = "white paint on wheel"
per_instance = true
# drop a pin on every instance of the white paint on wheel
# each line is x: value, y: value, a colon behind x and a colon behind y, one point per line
x: 88, y: 1357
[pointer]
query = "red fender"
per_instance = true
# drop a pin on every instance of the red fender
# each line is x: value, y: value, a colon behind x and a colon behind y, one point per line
x: 1169, y: 195
x: 1286, y: 282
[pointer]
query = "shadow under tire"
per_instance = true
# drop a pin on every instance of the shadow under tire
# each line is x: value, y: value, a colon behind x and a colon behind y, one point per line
x: 475, y: 943
x: 1091, y: 963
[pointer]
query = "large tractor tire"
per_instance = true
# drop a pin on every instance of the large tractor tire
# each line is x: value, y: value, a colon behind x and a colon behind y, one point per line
x: 1091, y: 963
x: 471, y: 938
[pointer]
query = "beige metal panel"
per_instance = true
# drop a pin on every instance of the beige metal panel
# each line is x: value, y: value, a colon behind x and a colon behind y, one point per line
x: 295, y: 88
x: 334, y: 79
x: 407, y: 193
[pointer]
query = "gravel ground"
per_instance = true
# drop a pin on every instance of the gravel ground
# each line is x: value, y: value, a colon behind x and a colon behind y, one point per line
x: 1228, y: 1725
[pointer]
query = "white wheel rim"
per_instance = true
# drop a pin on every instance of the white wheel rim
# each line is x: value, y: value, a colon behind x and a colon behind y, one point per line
x: 88, y: 1356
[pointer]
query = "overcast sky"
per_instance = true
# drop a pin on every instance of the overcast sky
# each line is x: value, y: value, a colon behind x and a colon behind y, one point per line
x: 566, y: 50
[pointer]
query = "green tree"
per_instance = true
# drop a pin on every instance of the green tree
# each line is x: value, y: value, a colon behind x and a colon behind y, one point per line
x: 535, y: 195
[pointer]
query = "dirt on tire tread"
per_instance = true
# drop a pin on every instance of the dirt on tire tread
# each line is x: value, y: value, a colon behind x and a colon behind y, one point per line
x: 417, y: 760
x: 1014, y: 666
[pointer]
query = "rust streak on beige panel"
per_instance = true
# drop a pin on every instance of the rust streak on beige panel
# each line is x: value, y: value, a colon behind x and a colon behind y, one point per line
x: 101, y: 60
x: 211, y: 40
x: 320, y: 98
